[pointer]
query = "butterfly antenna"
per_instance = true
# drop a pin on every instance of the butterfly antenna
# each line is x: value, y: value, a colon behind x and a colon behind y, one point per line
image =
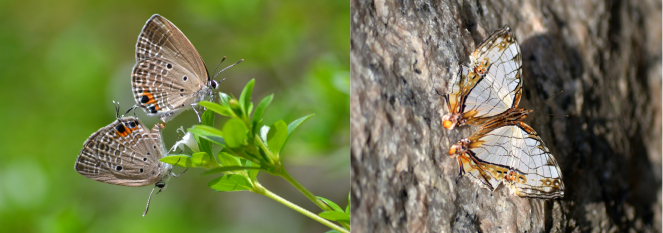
x: 132, y: 108
x: 217, y: 74
x: 148, y: 201
x: 217, y: 65
x: 117, y: 109
x: 553, y: 96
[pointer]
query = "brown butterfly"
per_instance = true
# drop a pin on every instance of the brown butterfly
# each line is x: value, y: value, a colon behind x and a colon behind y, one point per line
x: 169, y: 75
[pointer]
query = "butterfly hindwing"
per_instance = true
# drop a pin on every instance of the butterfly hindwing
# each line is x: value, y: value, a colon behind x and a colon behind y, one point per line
x: 512, y: 153
x: 162, y: 87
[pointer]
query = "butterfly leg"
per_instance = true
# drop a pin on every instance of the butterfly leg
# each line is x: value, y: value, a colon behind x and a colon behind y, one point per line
x: 197, y: 114
x: 178, y: 175
x: 460, y: 170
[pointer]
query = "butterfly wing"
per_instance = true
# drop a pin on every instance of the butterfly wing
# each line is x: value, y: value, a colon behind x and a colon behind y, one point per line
x: 490, y: 86
x: 169, y: 74
x: 512, y: 152
x: 122, y: 153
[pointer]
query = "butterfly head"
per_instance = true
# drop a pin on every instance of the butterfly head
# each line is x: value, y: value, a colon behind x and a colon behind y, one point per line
x: 459, y: 148
x: 213, y: 84
x: 450, y: 121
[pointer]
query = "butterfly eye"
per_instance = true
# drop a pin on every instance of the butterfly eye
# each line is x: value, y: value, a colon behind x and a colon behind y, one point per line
x: 214, y: 84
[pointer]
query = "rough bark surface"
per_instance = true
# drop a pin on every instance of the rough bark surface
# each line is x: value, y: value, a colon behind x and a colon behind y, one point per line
x: 604, y: 55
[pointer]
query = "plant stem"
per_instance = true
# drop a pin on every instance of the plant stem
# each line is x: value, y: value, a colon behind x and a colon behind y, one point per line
x: 267, y: 193
x: 285, y: 175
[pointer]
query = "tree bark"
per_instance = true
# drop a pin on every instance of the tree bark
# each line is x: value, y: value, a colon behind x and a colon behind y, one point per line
x: 604, y: 129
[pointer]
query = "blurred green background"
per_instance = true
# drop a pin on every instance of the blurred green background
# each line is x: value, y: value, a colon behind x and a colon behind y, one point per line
x: 62, y: 63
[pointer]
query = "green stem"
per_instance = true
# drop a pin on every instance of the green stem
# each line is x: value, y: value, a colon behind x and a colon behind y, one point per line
x: 267, y: 193
x: 303, y: 190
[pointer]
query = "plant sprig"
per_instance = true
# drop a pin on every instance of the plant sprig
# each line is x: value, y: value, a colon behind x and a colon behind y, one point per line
x: 246, y: 146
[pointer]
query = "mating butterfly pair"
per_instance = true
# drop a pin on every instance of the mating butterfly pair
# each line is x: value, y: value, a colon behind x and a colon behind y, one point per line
x: 504, y: 150
x: 168, y: 78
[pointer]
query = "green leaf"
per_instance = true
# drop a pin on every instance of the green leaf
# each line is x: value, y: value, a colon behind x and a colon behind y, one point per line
x: 205, y: 130
x: 212, y: 134
x: 335, y: 216
x: 219, y: 109
x: 294, y: 124
x: 331, y: 204
x: 234, y: 133
x: 260, y: 111
x: 347, y: 208
x: 228, y: 169
x: 228, y: 160
x: 178, y: 160
x: 231, y: 182
x: 204, y: 145
x: 224, y: 99
x: 208, y: 118
x: 277, y: 136
x: 245, y: 97
x: 202, y: 159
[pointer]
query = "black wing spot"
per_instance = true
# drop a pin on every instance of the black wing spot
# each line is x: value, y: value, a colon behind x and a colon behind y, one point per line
x: 140, y: 170
x: 182, y: 90
x: 148, y: 153
x: 152, y: 109
x: 155, y: 146
x: 185, y: 78
x: 119, y: 168
x: 169, y: 66
x: 145, y: 159
x: 144, y: 99
x: 120, y: 128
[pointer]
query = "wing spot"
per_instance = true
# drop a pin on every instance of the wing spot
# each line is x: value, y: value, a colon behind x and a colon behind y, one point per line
x: 140, y: 170
x: 145, y: 159
x: 185, y: 78
x: 118, y: 168
x: 169, y: 66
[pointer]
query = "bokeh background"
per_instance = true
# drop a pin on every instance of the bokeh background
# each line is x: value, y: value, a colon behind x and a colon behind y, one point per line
x: 62, y: 63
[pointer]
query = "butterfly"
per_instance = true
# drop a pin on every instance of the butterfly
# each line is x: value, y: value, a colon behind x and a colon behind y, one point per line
x: 169, y: 74
x: 126, y: 153
x: 490, y: 86
x: 504, y: 150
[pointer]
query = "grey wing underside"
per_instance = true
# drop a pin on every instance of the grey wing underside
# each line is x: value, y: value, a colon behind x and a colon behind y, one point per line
x: 128, y: 161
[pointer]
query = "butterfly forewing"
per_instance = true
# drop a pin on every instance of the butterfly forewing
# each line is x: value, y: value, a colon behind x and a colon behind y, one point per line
x: 161, y: 38
x: 123, y: 153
